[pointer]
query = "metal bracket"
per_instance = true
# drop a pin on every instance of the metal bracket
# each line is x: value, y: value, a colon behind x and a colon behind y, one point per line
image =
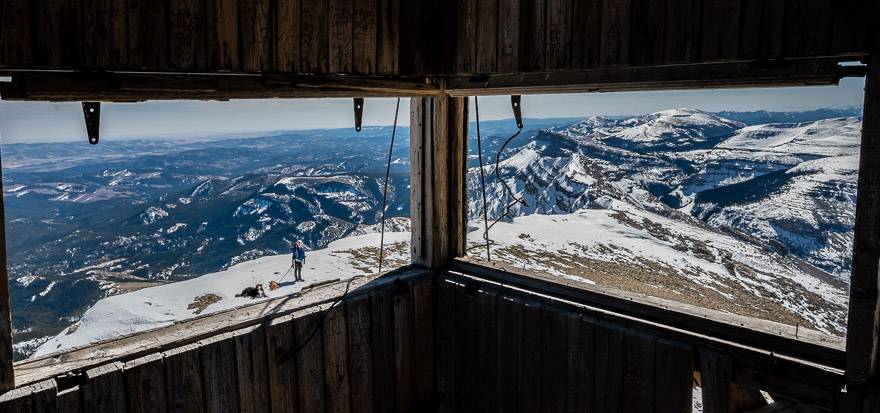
x: 92, y: 115
x: 516, y: 104
x: 358, y: 113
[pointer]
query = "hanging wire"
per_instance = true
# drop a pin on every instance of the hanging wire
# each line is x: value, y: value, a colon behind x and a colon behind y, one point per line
x: 482, y: 180
x: 296, y: 350
x: 508, y: 208
x: 385, y: 188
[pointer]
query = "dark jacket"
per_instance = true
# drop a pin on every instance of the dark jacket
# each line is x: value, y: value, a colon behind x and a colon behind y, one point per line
x: 299, y: 253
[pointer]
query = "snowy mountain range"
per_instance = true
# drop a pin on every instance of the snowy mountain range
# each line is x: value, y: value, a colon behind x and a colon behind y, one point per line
x: 690, y: 203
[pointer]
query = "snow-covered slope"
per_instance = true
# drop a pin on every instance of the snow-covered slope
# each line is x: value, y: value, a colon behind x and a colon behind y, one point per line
x: 160, y: 306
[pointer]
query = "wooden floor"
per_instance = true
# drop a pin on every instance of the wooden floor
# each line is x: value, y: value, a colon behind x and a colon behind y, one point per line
x: 416, y: 340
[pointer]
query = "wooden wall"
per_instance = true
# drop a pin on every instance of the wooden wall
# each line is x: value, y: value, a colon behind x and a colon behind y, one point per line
x: 420, y: 37
x: 372, y: 353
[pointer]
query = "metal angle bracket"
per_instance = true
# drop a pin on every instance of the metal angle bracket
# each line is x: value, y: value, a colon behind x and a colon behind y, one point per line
x: 92, y: 115
x: 516, y: 104
x: 358, y: 113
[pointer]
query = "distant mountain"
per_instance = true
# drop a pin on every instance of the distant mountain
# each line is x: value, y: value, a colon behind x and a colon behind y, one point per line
x: 86, y: 222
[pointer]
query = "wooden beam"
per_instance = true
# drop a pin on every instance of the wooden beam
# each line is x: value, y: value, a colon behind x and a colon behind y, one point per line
x: 129, y: 87
x: 438, y: 148
x: 699, y: 76
x: 7, y: 375
x: 864, y: 311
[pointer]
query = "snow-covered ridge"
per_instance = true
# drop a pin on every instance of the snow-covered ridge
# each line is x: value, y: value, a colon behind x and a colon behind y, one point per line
x: 160, y: 306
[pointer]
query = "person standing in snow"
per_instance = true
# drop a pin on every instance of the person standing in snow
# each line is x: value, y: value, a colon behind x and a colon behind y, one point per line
x: 299, y: 258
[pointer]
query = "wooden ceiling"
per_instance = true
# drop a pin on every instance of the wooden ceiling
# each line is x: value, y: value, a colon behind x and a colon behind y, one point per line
x: 418, y: 38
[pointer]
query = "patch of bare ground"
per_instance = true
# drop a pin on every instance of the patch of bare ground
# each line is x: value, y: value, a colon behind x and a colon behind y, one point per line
x: 366, y: 259
x: 202, y: 302
x: 659, y: 280
x: 131, y: 286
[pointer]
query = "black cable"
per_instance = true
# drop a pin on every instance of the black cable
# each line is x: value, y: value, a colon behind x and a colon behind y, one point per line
x: 507, y: 207
x: 385, y: 188
x: 482, y: 179
x: 294, y: 351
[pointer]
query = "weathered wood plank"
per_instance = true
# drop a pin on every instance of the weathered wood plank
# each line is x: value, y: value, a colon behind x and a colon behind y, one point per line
x: 416, y: 24
x: 418, y: 136
x: 364, y: 48
x: 715, y: 379
x: 18, y: 38
x: 850, y: 26
x: 423, y: 342
x: 674, y: 376
x: 863, y: 344
x: 70, y: 400
x: 458, y: 203
x: 147, y: 39
x: 287, y: 36
x: 586, y: 41
x: 510, y: 339
x: 808, y: 27
x: 255, y: 24
x: 7, y: 369
x: 388, y: 62
x: 437, y: 170
x: 186, y: 21
x: 559, y: 34
x: 183, y: 379
x: 508, y: 35
x: 46, y: 32
x: 467, y: 392
x: 530, y: 363
x: 37, y: 398
x: 335, y: 345
x: 466, y: 35
x: 253, y: 371
x: 761, y: 28
x: 486, y: 368
x: 648, y: 32
x: 614, y: 48
x: 309, y: 362
x: 638, y: 371
x: 104, y: 390
x: 382, y: 343
x: 282, y: 376
x: 487, y: 27
x: 222, y: 34
x: 720, y: 30
x: 145, y: 384
x: 446, y: 346
x: 683, y: 19
x: 104, y: 36
x: 360, y: 353
x: 404, y: 354
x: 219, y: 376
x: 609, y: 374
x: 314, y: 42
x: 533, y: 35
x: 340, y: 19
x: 554, y: 365
x: 581, y: 367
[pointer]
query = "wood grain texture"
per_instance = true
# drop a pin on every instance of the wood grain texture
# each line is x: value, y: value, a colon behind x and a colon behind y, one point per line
x: 486, y: 347
x: 360, y: 353
x: 314, y: 44
x: 674, y: 378
x: 222, y: 34
x: 335, y: 348
x: 388, y: 61
x: 720, y: 29
x: 382, y: 346
x: 486, y: 23
x: 446, y: 346
x: 648, y: 32
x: 364, y: 47
x: 639, y: 371
x: 147, y: 40
x: 586, y: 39
x: 255, y: 38
x: 340, y: 26
x: 186, y: 29
x: 510, y: 345
x: 404, y: 352
x: 533, y: 35
x: 287, y: 36
x: 7, y: 369
x: 554, y: 360
x: 465, y: 36
x: 683, y: 20
x: 309, y: 362
x: 614, y: 47
x: 105, y: 389
x: 508, y: 36
x: 467, y: 392
x: 282, y: 376
x: 715, y: 379
x: 145, y: 384
x: 531, y: 359
x: 219, y: 373
x: 609, y: 375
x: 18, y: 39
x: 423, y: 342
x: 581, y: 361
x: 185, y: 391
x: 252, y: 370
x: 559, y: 34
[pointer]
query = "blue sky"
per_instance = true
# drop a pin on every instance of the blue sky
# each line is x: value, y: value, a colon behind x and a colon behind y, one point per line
x: 49, y: 122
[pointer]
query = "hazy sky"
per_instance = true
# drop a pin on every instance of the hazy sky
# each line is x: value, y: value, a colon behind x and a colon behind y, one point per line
x: 44, y: 122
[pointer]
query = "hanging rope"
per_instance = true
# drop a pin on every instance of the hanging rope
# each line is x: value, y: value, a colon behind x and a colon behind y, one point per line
x: 508, y: 208
x: 482, y: 179
x: 296, y: 350
x: 385, y: 188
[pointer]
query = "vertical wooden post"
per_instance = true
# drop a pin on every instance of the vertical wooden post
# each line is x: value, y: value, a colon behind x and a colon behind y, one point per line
x: 438, y: 146
x: 7, y: 375
x: 864, y: 311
